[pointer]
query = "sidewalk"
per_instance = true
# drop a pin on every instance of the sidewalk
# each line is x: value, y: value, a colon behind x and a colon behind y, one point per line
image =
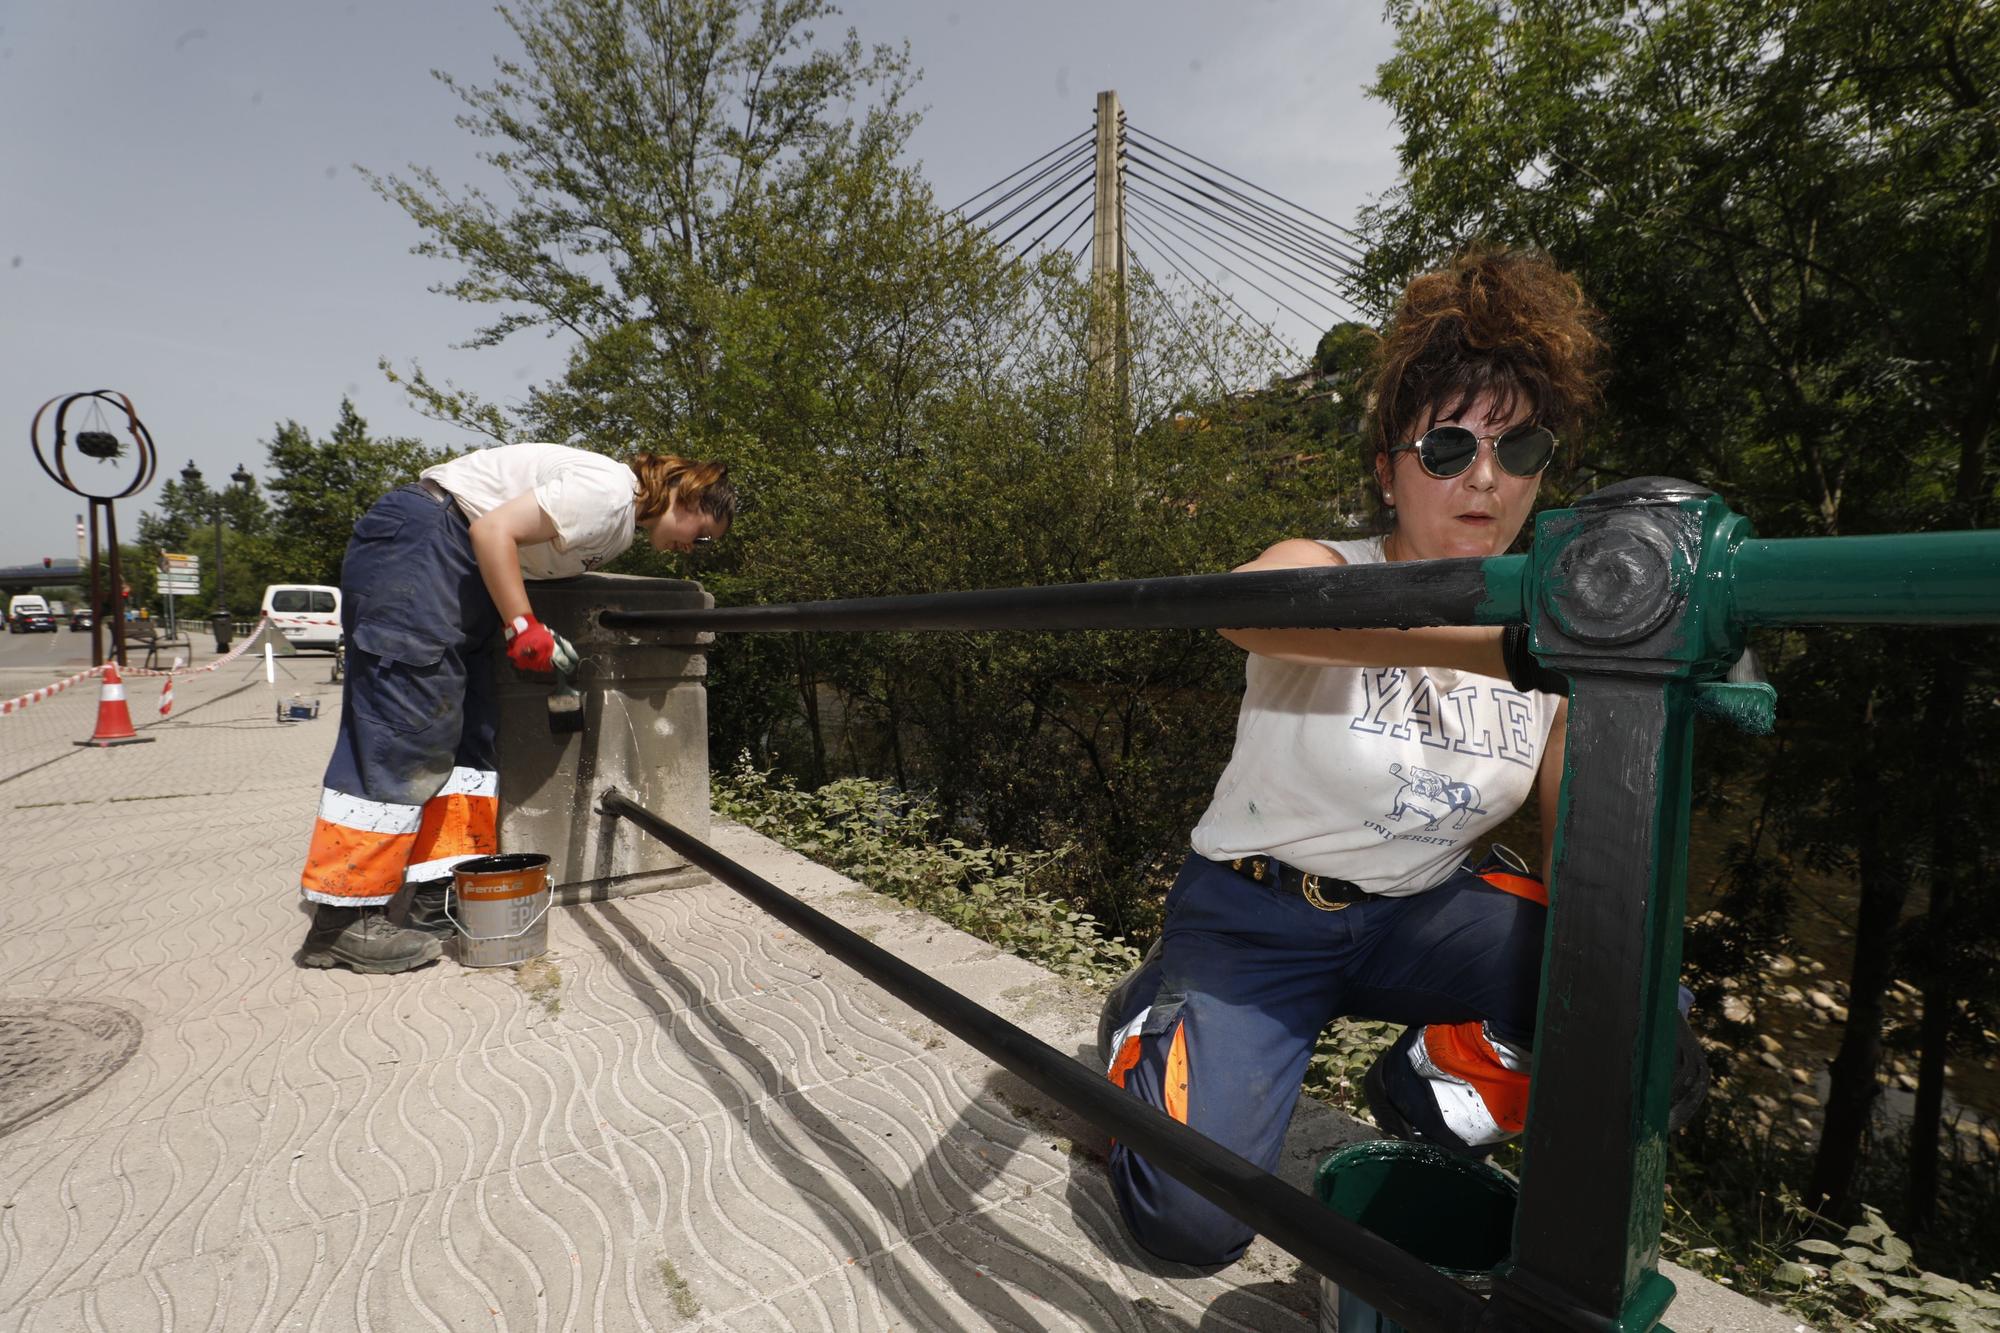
x: 692, y: 1120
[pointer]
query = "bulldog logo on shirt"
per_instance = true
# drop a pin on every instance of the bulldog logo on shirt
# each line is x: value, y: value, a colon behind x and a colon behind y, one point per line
x: 1435, y: 796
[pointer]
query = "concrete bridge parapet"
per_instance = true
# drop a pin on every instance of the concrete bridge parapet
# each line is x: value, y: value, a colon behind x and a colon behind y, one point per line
x: 645, y: 730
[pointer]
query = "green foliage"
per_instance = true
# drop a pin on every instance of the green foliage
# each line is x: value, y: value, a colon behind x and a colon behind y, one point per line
x: 1341, y: 1056
x: 1871, y: 1280
x: 186, y: 523
x: 660, y: 154
x: 322, y: 487
x: 1789, y: 214
x: 891, y: 843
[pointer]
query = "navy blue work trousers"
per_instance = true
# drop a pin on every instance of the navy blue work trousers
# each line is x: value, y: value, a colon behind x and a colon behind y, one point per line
x: 410, y: 788
x: 1248, y: 975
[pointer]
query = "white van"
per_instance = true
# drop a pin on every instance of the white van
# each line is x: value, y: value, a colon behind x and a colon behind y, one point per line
x: 28, y: 614
x: 306, y: 613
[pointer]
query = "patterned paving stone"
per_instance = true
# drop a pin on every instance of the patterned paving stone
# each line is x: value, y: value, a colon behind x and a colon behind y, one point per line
x: 704, y: 1123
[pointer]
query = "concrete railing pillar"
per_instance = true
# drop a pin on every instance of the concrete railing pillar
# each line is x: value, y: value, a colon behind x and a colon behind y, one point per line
x: 644, y: 730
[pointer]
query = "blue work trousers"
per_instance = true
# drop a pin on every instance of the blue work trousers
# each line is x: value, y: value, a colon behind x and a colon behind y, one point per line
x: 1248, y: 975
x: 410, y: 788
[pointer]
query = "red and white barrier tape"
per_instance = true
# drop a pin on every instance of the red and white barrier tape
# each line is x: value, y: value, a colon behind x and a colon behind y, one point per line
x: 36, y: 696
x: 224, y: 660
x: 15, y: 705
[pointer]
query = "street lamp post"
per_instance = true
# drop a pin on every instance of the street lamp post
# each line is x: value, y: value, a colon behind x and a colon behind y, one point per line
x: 219, y: 620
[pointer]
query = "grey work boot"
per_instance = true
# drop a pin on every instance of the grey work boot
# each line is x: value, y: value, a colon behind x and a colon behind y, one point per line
x: 427, y: 910
x: 363, y: 940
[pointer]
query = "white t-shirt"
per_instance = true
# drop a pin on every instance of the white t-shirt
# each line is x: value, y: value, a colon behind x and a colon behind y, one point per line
x: 592, y: 500
x: 1383, y: 776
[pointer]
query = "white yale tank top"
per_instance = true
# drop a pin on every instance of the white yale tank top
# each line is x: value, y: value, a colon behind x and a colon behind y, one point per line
x: 1384, y: 776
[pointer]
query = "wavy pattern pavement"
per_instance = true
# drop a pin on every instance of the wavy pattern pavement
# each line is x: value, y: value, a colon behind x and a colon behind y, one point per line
x: 708, y: 1124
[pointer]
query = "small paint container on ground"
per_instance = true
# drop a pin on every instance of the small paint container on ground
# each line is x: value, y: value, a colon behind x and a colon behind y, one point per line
x: 500, y: 905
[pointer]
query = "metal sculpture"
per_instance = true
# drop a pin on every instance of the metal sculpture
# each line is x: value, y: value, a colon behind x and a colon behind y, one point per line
x: 98, y: 441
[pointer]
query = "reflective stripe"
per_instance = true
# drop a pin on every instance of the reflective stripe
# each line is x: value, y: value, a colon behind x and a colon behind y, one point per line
x: 418, y: 872
x: 1481, y: 1089
x: 1175, y: 1089
x: 1126, y: 1059
x: 455, y: 826
x: 348, y: 864
x: 1123, y: 1038
x: 471, y: 782
x: 368, y: 816
x: 109, y: 692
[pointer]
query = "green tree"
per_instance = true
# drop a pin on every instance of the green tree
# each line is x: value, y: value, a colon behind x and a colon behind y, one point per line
x: 321, y: 488
x: 655, y: 150
x: 1789, y: 212
x: 185, y: 522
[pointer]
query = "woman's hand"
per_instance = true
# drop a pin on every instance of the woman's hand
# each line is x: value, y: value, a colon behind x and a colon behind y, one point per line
x: 1475, y: 649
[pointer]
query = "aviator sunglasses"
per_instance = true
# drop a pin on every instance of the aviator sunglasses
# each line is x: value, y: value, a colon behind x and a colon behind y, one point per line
x: 1446, y: 451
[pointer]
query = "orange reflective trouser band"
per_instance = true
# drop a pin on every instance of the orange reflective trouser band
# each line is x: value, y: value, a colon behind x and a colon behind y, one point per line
x: 363, y: 850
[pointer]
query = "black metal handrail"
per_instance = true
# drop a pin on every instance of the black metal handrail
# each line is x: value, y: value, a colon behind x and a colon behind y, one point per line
x: 1401, y: 1286
x: 1400, y: 596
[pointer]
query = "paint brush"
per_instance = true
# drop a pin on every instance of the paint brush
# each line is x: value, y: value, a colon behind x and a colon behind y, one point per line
x: 565, y: 707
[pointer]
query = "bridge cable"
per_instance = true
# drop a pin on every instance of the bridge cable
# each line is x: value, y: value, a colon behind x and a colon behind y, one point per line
x: 1057, y: 168
x: 1252, y: 225
x: 1344, y: 231
x: 1226, y: 268
x: 1321, y: 248
x: 1268, y: 337
x: 1238, y: 248
x: 1084, y: 184
x: 1010, y: 175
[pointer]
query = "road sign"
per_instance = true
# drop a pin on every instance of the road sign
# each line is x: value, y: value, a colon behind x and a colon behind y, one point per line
x: 179, y: 574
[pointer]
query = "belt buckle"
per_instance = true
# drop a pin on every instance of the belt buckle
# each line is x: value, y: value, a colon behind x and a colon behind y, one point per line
x: 1309, y: 889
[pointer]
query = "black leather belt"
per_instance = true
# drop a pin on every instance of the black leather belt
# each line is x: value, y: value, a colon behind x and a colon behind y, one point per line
x: 443, y: 497
x: 1322, y: 891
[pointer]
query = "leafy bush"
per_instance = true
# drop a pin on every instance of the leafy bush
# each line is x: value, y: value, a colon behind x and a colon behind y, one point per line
x: 1872, y: 1282
x: 892, y: 843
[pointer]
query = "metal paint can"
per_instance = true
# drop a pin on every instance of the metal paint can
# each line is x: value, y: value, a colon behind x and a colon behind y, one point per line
x: 502, y: 908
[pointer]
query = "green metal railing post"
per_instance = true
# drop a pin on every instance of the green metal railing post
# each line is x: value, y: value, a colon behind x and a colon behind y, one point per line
x: 1627, y: 594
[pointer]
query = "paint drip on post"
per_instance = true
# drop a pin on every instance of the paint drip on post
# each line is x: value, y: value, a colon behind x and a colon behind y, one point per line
x: 500, y: 905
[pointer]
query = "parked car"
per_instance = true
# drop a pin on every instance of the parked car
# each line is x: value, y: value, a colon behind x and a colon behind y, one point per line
x: 306, y: 613
x: 80, y: 618
x: 29, y: 614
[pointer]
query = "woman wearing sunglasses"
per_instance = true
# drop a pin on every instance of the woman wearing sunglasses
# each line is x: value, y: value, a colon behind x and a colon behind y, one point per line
x: 434, y: 579
x: 1337, y: 871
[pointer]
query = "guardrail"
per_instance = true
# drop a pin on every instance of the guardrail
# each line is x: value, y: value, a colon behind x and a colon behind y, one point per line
x: 1642, y: 594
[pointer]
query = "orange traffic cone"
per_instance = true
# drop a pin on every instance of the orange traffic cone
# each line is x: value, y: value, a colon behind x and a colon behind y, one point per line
x: 114, y: 719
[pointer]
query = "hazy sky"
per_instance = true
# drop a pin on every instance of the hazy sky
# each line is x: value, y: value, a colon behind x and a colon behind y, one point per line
x: 180, y: 218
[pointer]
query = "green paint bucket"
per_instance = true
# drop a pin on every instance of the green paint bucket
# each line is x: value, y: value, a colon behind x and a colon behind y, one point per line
x: 1455, y: 1214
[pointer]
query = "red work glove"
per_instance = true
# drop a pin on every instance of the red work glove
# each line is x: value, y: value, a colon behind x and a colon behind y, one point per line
x: 533, y: 646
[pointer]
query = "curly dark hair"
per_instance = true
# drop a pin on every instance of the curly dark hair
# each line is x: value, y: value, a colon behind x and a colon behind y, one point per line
x: 1508, y: 322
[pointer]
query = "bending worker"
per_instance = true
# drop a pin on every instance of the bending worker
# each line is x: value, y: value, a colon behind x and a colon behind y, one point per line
x: 432, y: 583
x: 1337, y: 870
